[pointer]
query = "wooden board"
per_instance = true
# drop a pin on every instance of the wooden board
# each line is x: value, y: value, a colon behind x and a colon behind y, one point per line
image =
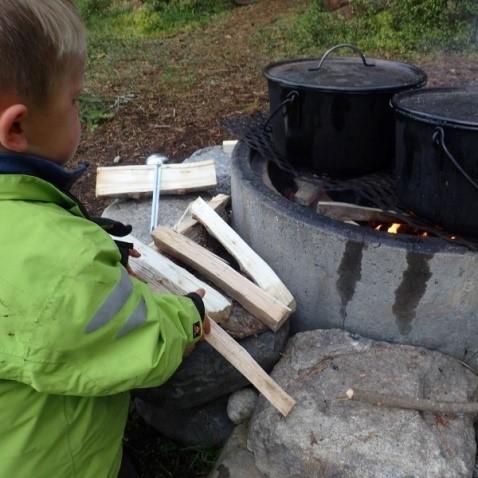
x: 242, y: 360
x: 163, y: 275
x: 187, y: 223
x: 351, y: 212
x: 117, y: 181
x: 229, y: 145
x: 255, y: 300
x: 250, y: 262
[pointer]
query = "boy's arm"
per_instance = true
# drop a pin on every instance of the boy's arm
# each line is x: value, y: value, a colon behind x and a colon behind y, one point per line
x: 105, y: 332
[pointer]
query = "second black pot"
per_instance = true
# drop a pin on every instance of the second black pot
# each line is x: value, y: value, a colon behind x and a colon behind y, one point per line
x: 332, y: 116
x: 437, y: 156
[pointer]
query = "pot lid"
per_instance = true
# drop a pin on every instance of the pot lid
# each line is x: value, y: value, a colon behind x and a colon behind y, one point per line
x: 451, y: 105
x: 346, y: 74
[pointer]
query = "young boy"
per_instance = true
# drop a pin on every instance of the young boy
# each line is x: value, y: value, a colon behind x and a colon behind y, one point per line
x: 76, y: 331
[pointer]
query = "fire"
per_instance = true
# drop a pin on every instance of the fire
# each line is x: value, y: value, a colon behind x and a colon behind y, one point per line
x: 393, y: 229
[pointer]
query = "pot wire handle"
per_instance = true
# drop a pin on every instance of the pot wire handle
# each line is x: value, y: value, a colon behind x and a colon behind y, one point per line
x: 290, y: 98
x: 336, y: 47
x: 439, y: 138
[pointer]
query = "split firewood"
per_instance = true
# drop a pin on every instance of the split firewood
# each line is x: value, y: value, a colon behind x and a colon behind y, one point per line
x: 420, y: 404
x: 307, y: 193
x: 238, y: 356
x: 163, y: 275
x: 218, y: 338
x: 182, y: 178
x: 254, y: 299
x: 342, y: 211
x: 228, y: 146
x: 250, y: 263
x: 188, y: 226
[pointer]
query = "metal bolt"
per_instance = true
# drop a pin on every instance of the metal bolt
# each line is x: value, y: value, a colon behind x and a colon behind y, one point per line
x: 157, y: 160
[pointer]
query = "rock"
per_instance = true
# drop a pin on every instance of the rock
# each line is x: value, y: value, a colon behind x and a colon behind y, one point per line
x: 223, y: 166
x: 206, y: 426
x: 330, y: 438
x: 235, y: 460
x: 137, y: 212
x: 205, y: 375
x: 241, y: 404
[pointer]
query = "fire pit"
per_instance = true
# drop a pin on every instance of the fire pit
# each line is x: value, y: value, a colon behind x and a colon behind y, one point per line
x: 395, y: 287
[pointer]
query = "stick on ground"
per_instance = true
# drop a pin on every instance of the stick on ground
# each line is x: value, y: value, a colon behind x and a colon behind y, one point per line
x: 420, y: 404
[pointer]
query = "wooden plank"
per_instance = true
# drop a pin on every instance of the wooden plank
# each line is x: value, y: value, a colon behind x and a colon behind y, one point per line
x: 352, y: 212
x: 163, y: 275
x: 251, y: 263
x: 187, y: 223
x: 237, y: 356
x: 255, y: 300
x: 117, y: 181
x: 228, y: 146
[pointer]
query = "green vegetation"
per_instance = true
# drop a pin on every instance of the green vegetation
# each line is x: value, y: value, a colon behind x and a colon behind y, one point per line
x: 146, y: 17
x: 385, y: 26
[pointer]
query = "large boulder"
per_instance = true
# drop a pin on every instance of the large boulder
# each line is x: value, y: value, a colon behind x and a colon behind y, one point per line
x: 325, y: 437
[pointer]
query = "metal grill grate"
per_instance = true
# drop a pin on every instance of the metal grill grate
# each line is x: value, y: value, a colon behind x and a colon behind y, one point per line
x: 374, y: 190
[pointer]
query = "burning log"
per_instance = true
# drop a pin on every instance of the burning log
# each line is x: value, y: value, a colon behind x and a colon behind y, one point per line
x: 351, y: 212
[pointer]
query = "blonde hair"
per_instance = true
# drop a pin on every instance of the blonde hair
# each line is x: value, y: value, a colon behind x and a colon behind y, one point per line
x: 40, y: 41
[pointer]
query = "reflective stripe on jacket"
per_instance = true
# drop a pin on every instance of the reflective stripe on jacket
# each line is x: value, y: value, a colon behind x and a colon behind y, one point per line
x: 76, y: 333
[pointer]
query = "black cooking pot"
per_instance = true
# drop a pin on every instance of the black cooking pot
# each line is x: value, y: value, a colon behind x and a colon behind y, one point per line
x: 333, y: 115
x: 437, y: 156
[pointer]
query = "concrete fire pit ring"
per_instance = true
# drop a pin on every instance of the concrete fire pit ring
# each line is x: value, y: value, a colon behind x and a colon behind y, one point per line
x: 399, y: 289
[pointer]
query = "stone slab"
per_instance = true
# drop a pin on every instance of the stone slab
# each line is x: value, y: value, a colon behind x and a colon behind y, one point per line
x: 205, y: 426
x: 235, y: 460
x: 329, y: 438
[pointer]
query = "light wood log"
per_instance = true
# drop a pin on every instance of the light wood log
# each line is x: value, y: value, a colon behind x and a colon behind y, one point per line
x: 228, y: 146
x: 351, y: 212
x: 255, y: 300
x: 180, y: 178
x: 242, y: 360
x: 307, y: 193
x: 421, y: 404
x: 187, y: 223
x: 249, y: 261
x: 163, y: 275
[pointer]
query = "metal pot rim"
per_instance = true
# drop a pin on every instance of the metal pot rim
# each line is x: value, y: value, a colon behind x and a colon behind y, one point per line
x: 431, y: 118
x: 420, y: 80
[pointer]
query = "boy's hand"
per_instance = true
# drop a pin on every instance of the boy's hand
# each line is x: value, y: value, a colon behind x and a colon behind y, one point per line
x: 133, y: 253
x: 206, y: 325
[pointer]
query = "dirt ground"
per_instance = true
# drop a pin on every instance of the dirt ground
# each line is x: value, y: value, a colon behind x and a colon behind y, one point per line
x: 185, y: 86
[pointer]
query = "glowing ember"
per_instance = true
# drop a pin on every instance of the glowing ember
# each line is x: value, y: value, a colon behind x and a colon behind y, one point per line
x: 393, y: 229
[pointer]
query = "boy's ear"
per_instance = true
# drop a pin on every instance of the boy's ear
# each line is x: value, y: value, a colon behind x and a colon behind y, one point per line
x: 12, y: 133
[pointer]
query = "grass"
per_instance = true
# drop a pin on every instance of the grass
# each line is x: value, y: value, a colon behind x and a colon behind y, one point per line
x: 407, y: 28
x: 126, y: 42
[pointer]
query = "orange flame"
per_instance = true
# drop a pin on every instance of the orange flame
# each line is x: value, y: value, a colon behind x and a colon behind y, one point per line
x: 393, y: 229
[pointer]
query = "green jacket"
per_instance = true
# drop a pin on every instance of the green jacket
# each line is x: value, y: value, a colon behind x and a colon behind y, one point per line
x: 76, y: 333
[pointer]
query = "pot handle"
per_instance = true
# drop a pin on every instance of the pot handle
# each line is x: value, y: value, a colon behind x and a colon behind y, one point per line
x: 439, y: 138
x: 336, y: 47
x: 290, y: 98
